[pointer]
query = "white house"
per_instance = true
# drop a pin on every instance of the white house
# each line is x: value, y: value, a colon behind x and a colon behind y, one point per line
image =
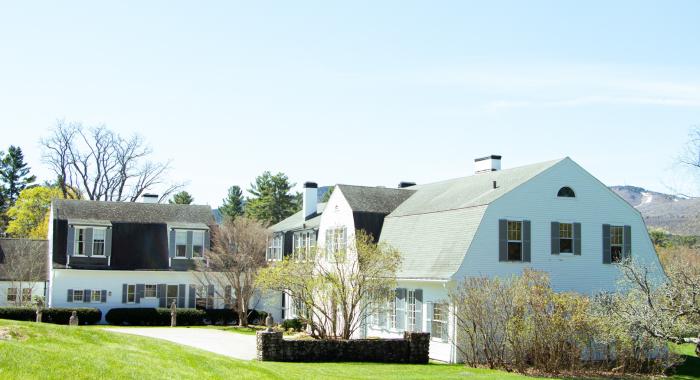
x: 551, y: 216
x: 23, y: 271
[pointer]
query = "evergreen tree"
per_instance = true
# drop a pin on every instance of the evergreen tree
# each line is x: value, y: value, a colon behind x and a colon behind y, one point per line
x: 327, y: 195
x: 272, y: 200
x: 182, y: 198
x: 233, y: 204
x: 14, y: 174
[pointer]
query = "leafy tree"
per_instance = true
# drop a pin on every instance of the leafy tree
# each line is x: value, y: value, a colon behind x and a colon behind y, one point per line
x: 327, y: 194
x: 659, y: 237
x: 29, y: 216
x: 233, y: 204
x: 14, y: 173
x: 272, y: 200
x: 182, y: 198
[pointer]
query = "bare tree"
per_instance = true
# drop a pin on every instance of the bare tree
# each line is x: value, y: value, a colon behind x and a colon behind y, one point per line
x: 337, y: 289
x: 102, y: 165
x: 237, y: 254
x: 23, y: 264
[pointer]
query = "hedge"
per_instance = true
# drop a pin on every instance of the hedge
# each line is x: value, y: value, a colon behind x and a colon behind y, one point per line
x: 57, y: 315
x: 185, y: 317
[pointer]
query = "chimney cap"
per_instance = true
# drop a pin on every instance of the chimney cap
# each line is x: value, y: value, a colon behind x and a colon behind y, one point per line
x: 491, y: 157
x: 310, y: 185
x: 403, y: 184
x: 149, y: 195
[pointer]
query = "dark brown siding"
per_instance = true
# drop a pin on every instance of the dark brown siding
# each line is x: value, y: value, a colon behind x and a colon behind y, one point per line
x: 139, y: 246
x: 60, y: 234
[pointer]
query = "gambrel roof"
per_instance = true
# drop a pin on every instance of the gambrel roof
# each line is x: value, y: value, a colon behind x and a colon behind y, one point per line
x: 434, y: 228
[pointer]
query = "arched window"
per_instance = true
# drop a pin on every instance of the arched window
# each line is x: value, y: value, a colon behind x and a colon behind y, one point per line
x: 566, y: 192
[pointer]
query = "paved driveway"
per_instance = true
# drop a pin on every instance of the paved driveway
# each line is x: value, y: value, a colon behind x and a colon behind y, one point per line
x: 231, y: 344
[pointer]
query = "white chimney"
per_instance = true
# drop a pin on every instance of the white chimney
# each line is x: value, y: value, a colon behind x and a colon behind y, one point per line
x: 487, y: 164
x: 149, y: 198
x: 310, y: 199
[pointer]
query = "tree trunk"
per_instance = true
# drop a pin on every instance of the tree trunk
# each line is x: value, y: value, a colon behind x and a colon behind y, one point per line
x: 242, y: 312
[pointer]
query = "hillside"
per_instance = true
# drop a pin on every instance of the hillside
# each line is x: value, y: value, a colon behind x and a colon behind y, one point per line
x: 677, y: 215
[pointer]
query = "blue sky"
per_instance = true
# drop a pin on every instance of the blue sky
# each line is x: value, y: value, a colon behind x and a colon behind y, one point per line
x: 367, y: 93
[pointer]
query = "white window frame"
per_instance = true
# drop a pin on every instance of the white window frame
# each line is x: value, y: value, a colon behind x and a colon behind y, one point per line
x: 571, y: 236
x: 82, y: 295
x: 275, y: 247
x: 198, y: 241
x: 391, y: 313
x: 303, y: 244
x: 168, y: 299
x: 131, y: 293
x: 97, y: 292
x: 621, y: 243
x: 517, y: 241
x: 411, y: 310
x: 154, y: 287
x: 79, y: 241
x: 438, y: 326
x: 337, y: 243
x: 12, y: 292
x: 95, y: 242
x: 178, y: 234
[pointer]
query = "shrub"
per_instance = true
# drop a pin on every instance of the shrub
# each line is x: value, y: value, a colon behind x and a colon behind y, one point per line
x: 292, y: 324
x: 61, y: 316
x: 221, y: 316
x: 148, y: 316
x: 256, y: 317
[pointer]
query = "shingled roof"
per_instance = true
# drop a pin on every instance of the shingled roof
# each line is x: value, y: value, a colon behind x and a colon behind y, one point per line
x: 297, y: 222
x: 23, y: 249
x: 131, y: 212
x: 380, y: 200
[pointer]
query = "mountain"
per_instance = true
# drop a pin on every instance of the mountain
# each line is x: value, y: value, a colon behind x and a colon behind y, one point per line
x: 677, y: 215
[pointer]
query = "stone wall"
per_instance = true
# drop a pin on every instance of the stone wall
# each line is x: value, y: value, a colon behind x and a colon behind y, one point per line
x: 413, y: 348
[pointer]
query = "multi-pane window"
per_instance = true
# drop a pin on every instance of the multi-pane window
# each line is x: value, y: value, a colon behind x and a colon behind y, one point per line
x: 515, y: 240
x: 335, y: 241
x: 149, y: 291
x: 616, y: 243
x: 79, y: 249
x: 566, y: 237
x: 98, y: 242
x: 391, y: 313
x: 171, y: 295
x: 78, y: 295
x: 197, y: 244
x: 303, y: 243
x: 96, y: 296
x: 131, y: 293
x: 26, y: 295
x: 11, y: 294
x: 274, y: 248
x: 411, y: 311
x: 180, y: 243
x: 439, y: 323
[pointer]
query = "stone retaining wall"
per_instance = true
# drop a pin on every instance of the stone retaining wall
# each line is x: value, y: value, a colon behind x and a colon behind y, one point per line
x: 413, y: 348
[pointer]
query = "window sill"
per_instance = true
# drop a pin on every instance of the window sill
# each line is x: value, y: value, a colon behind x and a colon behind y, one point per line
x: 180, y: 258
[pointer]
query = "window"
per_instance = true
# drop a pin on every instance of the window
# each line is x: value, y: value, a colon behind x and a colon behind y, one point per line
x: 198, y: 244
x: 78, y: 295
x: 96, y: 296
x: 79, y: 242
x: 391, y: 313
x: 438, y: 328
x: 566, y: 237
x: 274, y: 249
x: 202, y: 299
x: 616, y: 243
x: 130, y: 293
x: 566, y: 192
x: 98, y: 242
x: 149, y: 291
x: 515, y: 241
x: 303, y: 243
x: 335, y: 241
x: 411, y: 311
x: 180, y: 243
x: 11, y: 294
x: 171, y: 295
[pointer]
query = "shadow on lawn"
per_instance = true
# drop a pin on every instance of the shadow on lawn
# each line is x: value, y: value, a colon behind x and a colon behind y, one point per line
x: 690, y: 369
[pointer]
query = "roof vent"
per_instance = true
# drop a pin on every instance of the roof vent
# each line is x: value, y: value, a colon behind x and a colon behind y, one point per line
x: 149, y: 198
x: 487, y: 164
x: 404, y: 184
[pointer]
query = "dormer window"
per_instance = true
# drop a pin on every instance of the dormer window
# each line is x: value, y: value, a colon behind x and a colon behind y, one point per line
x: 98, y: 242
x: 180, y: 243
x: 198, y: 244
x: 89, y: 241
x: 80, y: 241
x: 566, y: 192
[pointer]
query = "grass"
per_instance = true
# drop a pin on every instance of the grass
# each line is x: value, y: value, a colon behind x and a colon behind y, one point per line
x: 690, y: 369
x: 44, y: 351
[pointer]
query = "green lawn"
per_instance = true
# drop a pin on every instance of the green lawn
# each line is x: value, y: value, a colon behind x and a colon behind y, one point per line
x: 45, y: 351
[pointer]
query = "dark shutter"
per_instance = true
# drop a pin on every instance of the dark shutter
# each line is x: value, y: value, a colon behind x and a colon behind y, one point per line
x: 401, y: 309
x: 108, y: 242
x: 181, y: 295
x: 502, y: 240
x: 418, y: 294
x: 191, y: 298
x: 88, y: 241
x: 162, y: 293
x: 227, y: 297
x: 171, y: 251
x: 70, y: 295
x: 607, y: 259
x: 210, y: 296
x: 577, y: 238
x: 627, y: 246
x: 207, y: 240
x: 526, y: 241
x: 86, y: 295
x: 124, y: 293
x: 103, y: 296
x: 139, y: 292
x: 70, y: 241
x: 555, y: 238
x: 189, y: 244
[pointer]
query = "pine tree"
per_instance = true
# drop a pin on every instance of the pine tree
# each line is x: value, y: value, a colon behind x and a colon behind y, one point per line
x: 272, y: 200
x: 182, y: 198
x: 327, y: 194
x: 233, y: 204
x: 14, y: 174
